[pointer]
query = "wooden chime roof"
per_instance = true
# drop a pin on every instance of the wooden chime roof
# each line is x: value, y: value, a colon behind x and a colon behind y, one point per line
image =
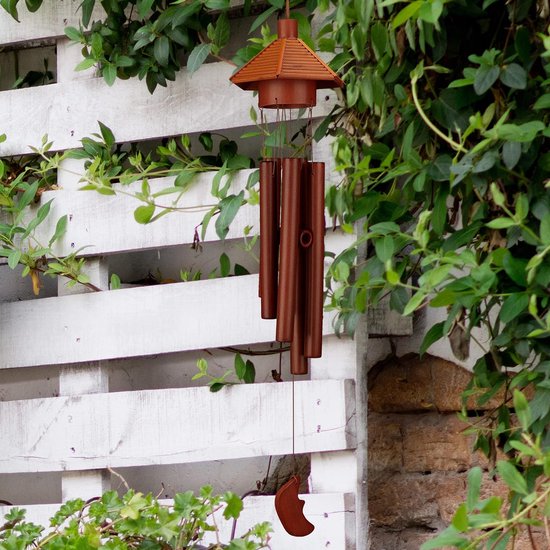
x: 287, y: 58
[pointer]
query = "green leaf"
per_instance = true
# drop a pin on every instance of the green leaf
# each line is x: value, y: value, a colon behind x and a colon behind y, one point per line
x: 485, y: 77
x: 240, y: 366
x: 28, y: 196
x: 514, y: 76
x: 115, y: 282
x: 449, y: 537
x: 415, y: 302
x: 225, y: 265
x: 543, y: 102
x: 228, y: 210
x: 106, y: 134
x: 109, y: 73
x: 510, y: 475
x: 407, y: 13
x: 234, y: 506
x: 73, y: 34
x: 198, y: 56
x: 33, y: 5
x: 433, y: 335
x: 511, y: 153
x: 11, y: 7
x: 515, y: 268
x: 460, y: 519
x: 161, y: 50
x: 222, y: 31
x: 501, y: 223
x: 545, y: 230
x: 262, y: 18
x: 86, y: 63
x: 13, y: 258
x: 474, y: 487
x: 523, y: 412
x: 384, y: 248
x: 144, y: 213
x: 513, y: 306
x: 144, y: 6
x: 250, y: 372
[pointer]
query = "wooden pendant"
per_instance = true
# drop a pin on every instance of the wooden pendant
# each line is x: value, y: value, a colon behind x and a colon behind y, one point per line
x: 290, y: 509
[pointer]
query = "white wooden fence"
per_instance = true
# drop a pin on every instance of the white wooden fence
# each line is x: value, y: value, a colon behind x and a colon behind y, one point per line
x: 85, y: 428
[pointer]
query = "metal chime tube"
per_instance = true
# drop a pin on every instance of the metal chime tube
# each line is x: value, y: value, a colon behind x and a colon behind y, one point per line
x: 269, y: 235
x: 298, y: 360
x: 289, y: 248
x: 315, y: 258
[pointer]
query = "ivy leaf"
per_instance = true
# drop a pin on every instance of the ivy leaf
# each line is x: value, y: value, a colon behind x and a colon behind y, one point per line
x: 249, y: 373
x: 234, y: 506
x: 460, y: 519
x: 510, y: 475
x: 228, y: 210
x: 262, y: 18
x: 240, y: 366
x: 433, y: 335
x: 514, y: 76
x: 161, y: 50
x: 198, y: 56
x: 513, y: 306
x: 511, y: 153
x: 144, y: 213
x: 60, y: 229
x: 474, y: 487
x: 109, y: 73
x: 485, y: 77
x: 11, y: 7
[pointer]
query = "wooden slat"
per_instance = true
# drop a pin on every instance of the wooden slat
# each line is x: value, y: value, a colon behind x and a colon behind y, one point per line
x: 69, y: 111
x: 332, y: 514
x: 174, y: 426
x: 135, y: 322
x: 107, y: 222
x: 100, y: 224
x: 49, y: 22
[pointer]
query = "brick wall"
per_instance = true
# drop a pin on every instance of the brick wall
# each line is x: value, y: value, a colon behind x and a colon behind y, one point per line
x: 418, y: 453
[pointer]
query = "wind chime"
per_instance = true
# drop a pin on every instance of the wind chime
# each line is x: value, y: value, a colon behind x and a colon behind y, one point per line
x: 287, y: 75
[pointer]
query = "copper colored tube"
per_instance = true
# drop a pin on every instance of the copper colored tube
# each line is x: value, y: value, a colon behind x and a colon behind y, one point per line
x: 289, y: 249
x: 298, y: 363
x: 269, y: 236
x: 315, y: 262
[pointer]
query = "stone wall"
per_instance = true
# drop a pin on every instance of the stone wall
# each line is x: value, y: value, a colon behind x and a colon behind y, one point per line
x: 418, y: 453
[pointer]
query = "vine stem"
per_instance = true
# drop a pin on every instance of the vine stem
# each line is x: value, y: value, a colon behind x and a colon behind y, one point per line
x: 457, y: 146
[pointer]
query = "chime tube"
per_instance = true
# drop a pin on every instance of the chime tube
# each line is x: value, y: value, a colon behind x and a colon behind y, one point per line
x: 269, y: 236
x: 298, y: 362
x: 313, y: 338
x: 289, y: 247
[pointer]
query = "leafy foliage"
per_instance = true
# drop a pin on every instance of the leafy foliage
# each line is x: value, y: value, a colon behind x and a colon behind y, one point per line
x: 135, y: 520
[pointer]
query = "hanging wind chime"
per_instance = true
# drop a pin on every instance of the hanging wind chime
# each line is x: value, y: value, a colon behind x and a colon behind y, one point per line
x: 287, y: 75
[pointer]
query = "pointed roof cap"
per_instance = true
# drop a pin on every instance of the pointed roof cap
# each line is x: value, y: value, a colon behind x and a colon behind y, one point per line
x: 287, y: 58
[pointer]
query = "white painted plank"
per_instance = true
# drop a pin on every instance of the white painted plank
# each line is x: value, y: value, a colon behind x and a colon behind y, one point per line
x: 332, y: 514
x: 69, y: 111
x: 49, y: 22
x: 106, y: 224
x: 174, y: 426
x: 100, y: 224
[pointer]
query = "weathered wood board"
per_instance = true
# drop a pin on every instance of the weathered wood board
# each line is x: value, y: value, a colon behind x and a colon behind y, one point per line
x: 333, y: 515
x: 69, y: 111
x: 174, y: 426
x: 134, y: 322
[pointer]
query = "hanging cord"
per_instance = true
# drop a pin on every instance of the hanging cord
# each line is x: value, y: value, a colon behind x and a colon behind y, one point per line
x: 309, y: 135
x: 294, y: 430
x: 287, y: 11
